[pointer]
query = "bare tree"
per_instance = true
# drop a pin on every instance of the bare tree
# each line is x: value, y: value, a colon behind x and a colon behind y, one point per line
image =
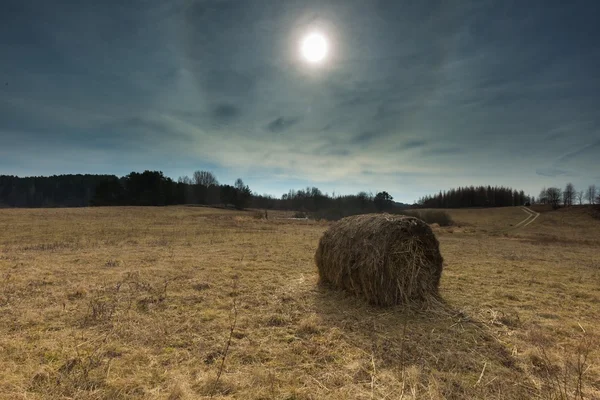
x: 185, y: 180
x: 205, y: 178
x: 553, y: 196
x: 239, y: 184
x: 204, y: 185
x: 543, y: 196
x: 568, y: 194
x: 579, y: 197
x: 591, y: 194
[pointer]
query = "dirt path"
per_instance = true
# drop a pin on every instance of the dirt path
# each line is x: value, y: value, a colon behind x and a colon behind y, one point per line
x: 531, y: 216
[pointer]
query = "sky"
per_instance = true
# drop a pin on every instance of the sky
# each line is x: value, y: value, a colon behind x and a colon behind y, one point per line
x: 412, y: 97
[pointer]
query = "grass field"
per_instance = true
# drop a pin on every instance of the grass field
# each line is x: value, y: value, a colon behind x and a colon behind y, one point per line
x: 124, y: 303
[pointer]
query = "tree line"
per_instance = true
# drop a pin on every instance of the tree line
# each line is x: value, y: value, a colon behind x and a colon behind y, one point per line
x: 568, y: 196
x: 52, y: 191
x: 323, y: 205
x: 153, y: 188
x: 476, y: 196
x: 149, y: 188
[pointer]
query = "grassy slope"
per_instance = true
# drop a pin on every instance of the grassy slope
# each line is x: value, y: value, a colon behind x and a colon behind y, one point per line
x: 85, y: 313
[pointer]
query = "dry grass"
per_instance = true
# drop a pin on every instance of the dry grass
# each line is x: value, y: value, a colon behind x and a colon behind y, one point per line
x: 125, y: 303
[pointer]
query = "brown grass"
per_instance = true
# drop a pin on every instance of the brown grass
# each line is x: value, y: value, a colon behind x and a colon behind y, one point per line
x: 131, y: 303
x: 386, y: 259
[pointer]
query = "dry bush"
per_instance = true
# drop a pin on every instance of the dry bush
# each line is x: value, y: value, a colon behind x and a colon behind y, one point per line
x: 563, y: 376
x: 112, y: 263
x: 384, y: 258
x: 80, y: 375
x: 108, y: 300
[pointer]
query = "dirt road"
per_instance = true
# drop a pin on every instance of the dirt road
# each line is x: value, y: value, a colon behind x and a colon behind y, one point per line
x: 531, y: 216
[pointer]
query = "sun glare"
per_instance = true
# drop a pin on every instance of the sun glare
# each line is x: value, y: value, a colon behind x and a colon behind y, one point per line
x: 314, y: 48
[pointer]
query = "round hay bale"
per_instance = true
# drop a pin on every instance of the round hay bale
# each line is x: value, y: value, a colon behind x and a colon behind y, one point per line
x: 387, y: 259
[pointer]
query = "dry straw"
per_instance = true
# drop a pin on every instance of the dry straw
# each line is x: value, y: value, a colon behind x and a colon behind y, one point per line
x: 387, y: 259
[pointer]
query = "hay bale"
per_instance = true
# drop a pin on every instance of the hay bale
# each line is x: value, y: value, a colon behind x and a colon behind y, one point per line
x: 387, y: 259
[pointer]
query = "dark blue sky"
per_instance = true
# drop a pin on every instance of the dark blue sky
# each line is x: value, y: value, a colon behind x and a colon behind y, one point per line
x: 413, y: 97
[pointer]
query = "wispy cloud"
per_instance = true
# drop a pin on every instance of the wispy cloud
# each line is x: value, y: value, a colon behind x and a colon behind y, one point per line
x: 440, y: 151
x: 282, y: 123
x: 225, y: 112
x: 412, y: 144
x: 591, y: 148
x: 553, y: 172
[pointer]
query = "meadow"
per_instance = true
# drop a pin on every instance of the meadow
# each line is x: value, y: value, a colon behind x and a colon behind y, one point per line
x: 192, y: 302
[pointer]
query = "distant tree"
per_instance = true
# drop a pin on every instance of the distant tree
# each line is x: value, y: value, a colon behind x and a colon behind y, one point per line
x: 522, y: 198
x: 243, y: 194
x: 186, y: 189
x: 383, y: 201
x: 543, y: 196
x: 109, y: 192
x: 579, y: 197
x: 569, y: 195
x: 264, y: 201
x: 205, y: 178
x: 553, y: 196
x: 186, y: 180
x: 239, y: 184
x: 364, y: 200
x: 590, y: 194
x: 205, y: 183
x: 149, y: 188
x: 316, y: 199
x: 228, y: 195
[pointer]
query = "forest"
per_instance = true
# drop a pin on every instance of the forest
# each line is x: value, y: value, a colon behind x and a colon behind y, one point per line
x: 480, y: 196
x: 153, y: 188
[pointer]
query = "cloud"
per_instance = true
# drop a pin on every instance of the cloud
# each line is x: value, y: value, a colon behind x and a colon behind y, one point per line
x: 332, y: 151
x: 364, y: 137
x: 282, y: 124
x: 226, y: 82
x: 442, y: 151
x: 552, y: 172
x: 584, y: 150
x: 225, y: 112
x: 413, y: 144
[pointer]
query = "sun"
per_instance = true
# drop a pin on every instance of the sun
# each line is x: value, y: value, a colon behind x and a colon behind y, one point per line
x: 314, y: 48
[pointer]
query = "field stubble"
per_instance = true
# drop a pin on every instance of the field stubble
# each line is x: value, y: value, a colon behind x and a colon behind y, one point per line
x: 127, y: 303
